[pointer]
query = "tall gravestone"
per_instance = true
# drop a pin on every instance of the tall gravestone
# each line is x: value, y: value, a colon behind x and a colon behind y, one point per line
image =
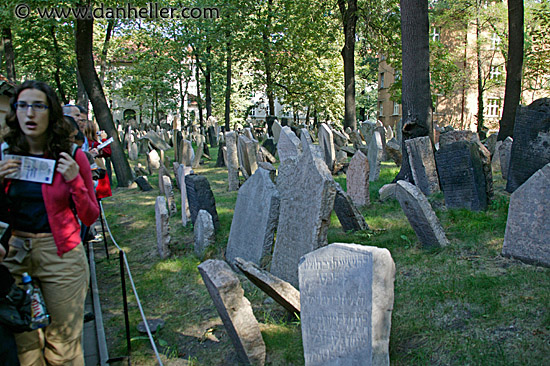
x: 133, y: 152
x: 162, y: 219
x: 289, y: 145
x: 203, y: 231
x: 169, y: 194
x: 367, y: 130
x: 376, y: 151
x: 153, y: 161
x: 254, y: 220
x: 422, y: 163
x: 462, y: 177
x: 307, y: 199
x: 326, y: 141
x: 232, y: 160
x: 235, y: 311
x: 531, y: 145
x: 200, y: 197
x: 276, y: 129
x: 186, y: 154
x: 357, y: 179
x: 184, y: 171
x: 527, y: 235
x: 504, y: 152
x: 420, y: 214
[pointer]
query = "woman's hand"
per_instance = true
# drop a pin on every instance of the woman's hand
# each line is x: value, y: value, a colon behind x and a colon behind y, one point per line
x: 8, y: 167
x: 67, y: 166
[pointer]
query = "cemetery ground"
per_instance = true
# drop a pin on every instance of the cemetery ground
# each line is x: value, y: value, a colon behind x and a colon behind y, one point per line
x: 463, y: 304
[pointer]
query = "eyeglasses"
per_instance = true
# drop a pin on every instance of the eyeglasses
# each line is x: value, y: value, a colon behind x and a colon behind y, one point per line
x: 37, y: 107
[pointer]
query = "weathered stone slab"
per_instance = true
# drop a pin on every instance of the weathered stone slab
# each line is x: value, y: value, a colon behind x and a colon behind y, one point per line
x: 183, y: 171
x: 153, y: 161
x: 367, y: 130
x: 220, y: 161
x: 307, y: 199
x: 232, y: 160
x: 462, y: 176
x: 276, y: 128
x: 376, y: 151
x: 531, y: 145
x: 349, y: 216
x: 203, y: 231
x: 527, y: 235
x: 490, y: 143
x: 133, y: 153
x: 387, y: 192
x: 449, y: 137
x: 143, y: 184
x: 420, y: 214
x: 422, y: 163
x: 269, y: 144
x: 254, y: 220
x: 235, y: 311
x: 326, y: 142
x: 495, y: 158
x: 281, y: 291
x: 198, y: 155
x: 246, y: 152
x: 186, y: 154
x: 347, y: 293
x: 305, y: 132
x: 504, y: 152
x: 169, y: 194
x: 356, y: 140
x: 393, y: 150
x: 357, y: 179
x: 340, y: 138
x: 289, y: 145
x: 200, y: 197
x: 162, y: 219
x: 157, y: 141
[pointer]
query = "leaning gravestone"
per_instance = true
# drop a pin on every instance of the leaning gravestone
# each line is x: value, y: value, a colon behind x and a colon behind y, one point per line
x: 254, y: 220
x: 200, y: 197
x: 232, y: 160
x: 346, y: 297
x: 504, y: 153
x: 289, y: 145
x: 376, y: 150
x: 163, y: 227
x: 462, y: 176
x: 393, y: 150
x: 281, y: 291
x: 156, y: 141
x: 527, y: 235
x: 349, y: 216
x: 235, y: 311
x: 422, y: 163
x: 420, y: 214
x: 143, y: 184
x: 531, y: 145
x: 203, y: 232
x: 169, y: 194
x: 326, y: 141
x: 357, y: 179
x: 387, y: 192
x: 307, y: 199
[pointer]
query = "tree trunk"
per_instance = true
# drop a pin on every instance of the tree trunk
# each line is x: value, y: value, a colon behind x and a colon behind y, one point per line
x: 228, y: 87
x: 57, y: 76
x: 267, y: 60
x: 416, y: 98
x: 8, y: 52
x: 199, y: 100
x: 81, y: 95
x: 208, y: 83
x: 480, y: 84
x: 349, y: 21
x: 85, y: 63
x: 514, y: 64
x: 108, y: 32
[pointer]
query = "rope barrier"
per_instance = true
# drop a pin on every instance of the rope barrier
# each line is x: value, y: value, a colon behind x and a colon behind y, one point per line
x: 133, y: 288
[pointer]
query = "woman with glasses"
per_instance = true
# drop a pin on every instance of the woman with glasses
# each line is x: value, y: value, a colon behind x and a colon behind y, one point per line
x: 45, y: 240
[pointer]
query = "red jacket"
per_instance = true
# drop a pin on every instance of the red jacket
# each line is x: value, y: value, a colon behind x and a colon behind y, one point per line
x: 57, y: 199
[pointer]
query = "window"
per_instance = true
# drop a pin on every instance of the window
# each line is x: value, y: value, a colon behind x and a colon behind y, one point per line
x: 252, y: 111
x: 495, y: 41
x: 380, y: 108
x: 435, y: 34
x: 395, y: 108
x: 493, y: 107
x: 495, y: 73
x: 381, y: 80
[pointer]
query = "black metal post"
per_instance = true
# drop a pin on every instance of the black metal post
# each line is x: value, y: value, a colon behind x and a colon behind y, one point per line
x: 125, y: 301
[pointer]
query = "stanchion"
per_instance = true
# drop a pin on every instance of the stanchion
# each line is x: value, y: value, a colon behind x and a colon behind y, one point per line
x: 125, y: 302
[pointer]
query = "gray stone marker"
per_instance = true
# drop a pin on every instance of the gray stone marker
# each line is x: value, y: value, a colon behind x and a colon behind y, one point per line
x: 281, y: 291
x: 307, y: 199
x: 420, y: 214
x: 393, y: 150
x: 376, y: 150
x: 422, y: 163
x: 200, y: 151
x: 169, y: 194
x: 495, y: 158
x: 161, y: 174
x: 504, y: 153
x: 162, y: 219
x: 347, y: 293
x: 187, y: 155
x: 133, y: 152
x: 200, y: 196
x: 232, y: 160
x: 276, y: 128
x: 531, y: 145
x: 326, y: 142
x: 185, y: 213
x: 235, y: 311
x: 143, y: 183
x: 367, y: 129
x: 527, y: 235
x: 357, y: 179
x: 289, y: 145
x: 462, y: 176
x: 349, y: 216
x: 254, y: 220
x: 387, y: 192
x: 340, y: 138
x: 203, y: 232
x: 305, y: 132
x: 247, y: 152
x: 153, y: 161
x: 157, y: 141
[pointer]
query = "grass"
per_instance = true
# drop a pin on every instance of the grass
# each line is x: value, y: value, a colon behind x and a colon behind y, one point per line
x: 459, y: 305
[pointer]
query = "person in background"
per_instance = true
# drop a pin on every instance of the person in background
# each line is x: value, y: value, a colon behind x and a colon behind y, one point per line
x: 73, y: 111
x: 95, y: 138
x: 45, y: 239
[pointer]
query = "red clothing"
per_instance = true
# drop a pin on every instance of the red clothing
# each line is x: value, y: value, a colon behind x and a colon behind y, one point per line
x: 103, y: 188
x: 57, y: 199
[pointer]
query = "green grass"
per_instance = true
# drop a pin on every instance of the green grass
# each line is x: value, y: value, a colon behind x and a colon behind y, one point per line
x: 459, y: 305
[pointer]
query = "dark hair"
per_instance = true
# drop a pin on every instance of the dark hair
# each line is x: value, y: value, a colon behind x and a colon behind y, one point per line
x: 58, y: 132
x: 82, y: 109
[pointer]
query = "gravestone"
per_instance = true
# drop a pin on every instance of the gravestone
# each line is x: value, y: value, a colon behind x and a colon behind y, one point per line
x: 326, y: 142
x: 133, y: 152
x: 169, y: 194
x: 276, y: 128
x: 143, y: 184
x: 288, y: 145
x: 367, y: 130
x: 305, y: 132
x: 254, y: 220
x: 495, y: 158
x: 270, y: 146
x: 266, y: 156
x: 387, y: 192
x: 183, y: 171
x: 422, y: 163
x: 346, y: 297
x: 527, y: 235
x: 420, y: 214
x: 281, y: 291
x: 153, y: 161
x: 349, y: 216
x: 178, y: 140
x: 449, y: 137
x: 232, y: 160
x: 157, y: 141
x: 490, y: 143
x: 200, y: 197
x: 162, y: 219
x: 375, y: 156
x: 187, y: 155
x: 393, y: 150
x: 235, y: 311
x: 531, y: 145
x: 161, y: 174
x: 246, y: 152
x: 220, y: 161
x: 212, y: 136
x: 200, y: 150
x: 504, y: 153
x: 340, y: 139
x: 307, y: 199
x: 203, y: 231
x: 462, y: 177
x: 143, y: 147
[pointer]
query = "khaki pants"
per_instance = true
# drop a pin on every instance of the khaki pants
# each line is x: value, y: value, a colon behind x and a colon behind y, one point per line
x: 64, y: 283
